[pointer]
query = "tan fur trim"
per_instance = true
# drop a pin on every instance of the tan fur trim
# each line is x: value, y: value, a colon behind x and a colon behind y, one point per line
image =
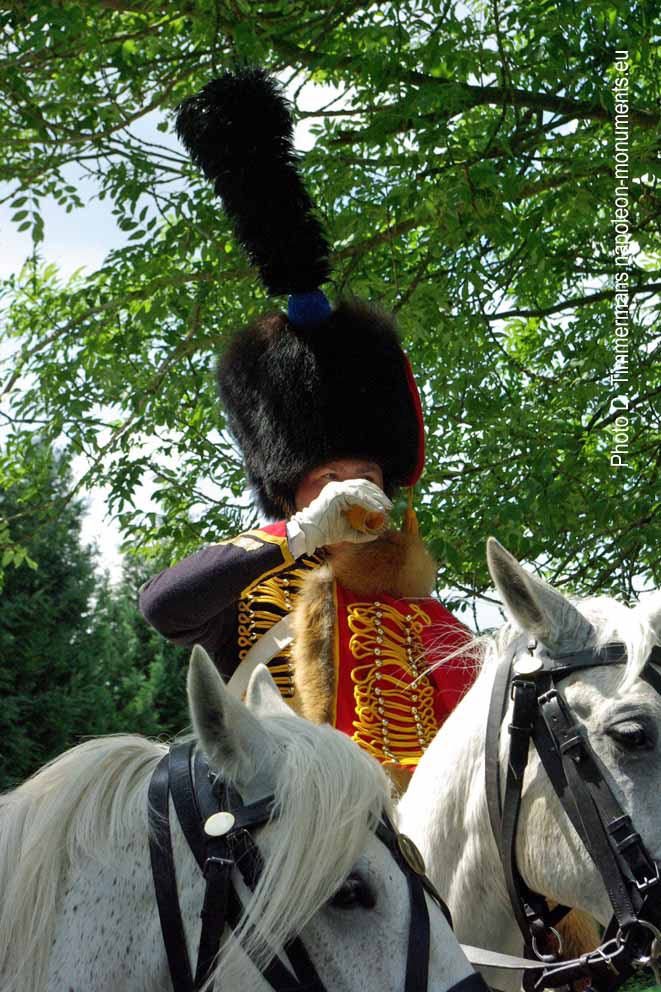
x: 396, y: 564
x: 399, y: 776
x: 313, y: 645
x: 579, y: 934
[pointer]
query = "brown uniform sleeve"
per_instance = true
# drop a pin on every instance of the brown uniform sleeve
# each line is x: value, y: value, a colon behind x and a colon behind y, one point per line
x: 195, y: 601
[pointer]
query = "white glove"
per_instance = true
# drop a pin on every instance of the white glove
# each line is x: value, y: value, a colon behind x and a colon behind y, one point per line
x: 324, y: 522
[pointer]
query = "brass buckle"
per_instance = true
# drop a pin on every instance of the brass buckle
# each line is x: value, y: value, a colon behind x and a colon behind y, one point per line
x: 411, y: 854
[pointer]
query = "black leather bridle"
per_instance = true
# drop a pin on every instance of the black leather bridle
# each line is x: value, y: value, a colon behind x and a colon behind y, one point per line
x: 198, y: 795
x: 541, y: 716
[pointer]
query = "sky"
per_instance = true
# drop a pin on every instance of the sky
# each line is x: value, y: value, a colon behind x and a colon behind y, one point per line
x: 81, y: 240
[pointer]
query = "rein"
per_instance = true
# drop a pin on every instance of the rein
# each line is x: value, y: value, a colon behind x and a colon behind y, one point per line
x: 541, y: 715
x: 218, y: 828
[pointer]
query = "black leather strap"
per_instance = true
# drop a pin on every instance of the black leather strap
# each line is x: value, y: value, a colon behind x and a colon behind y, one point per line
x: 595, y: 803
x: 650, y: 674
x: 531, y: 910
x: 614, y: 653
x: 165, y: 879
x: 389, y: 836
x: 183, y: 798
x: 541, y: 715
x: 562, y: 665
x: 524, y: 694
x: 552, y: 762
x: 196, y: 797
x: 417, y: 956
x: 218, y: 875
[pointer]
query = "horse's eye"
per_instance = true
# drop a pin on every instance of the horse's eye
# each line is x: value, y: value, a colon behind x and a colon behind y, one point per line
x: 355, y: 892
x: 632, y: 736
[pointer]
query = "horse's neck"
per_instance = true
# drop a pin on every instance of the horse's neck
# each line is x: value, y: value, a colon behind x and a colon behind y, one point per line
x: 118, y: 899
x: 445, y: 811
x: 439, y: 800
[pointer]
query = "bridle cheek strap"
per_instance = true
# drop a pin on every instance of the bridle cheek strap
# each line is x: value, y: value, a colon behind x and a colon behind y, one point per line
x: 410, y: 862
x: 165, y: 879
x: 531, y: 911
x: 417, y: 955
x: 183, y: 776
x: 598, y: 813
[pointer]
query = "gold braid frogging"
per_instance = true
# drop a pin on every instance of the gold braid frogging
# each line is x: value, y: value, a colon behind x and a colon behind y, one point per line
x: 395, y: 720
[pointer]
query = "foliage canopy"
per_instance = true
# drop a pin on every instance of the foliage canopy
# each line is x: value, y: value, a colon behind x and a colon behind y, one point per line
x: 463, y: 164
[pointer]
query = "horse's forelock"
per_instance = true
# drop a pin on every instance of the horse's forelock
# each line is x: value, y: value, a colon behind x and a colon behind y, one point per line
x: 328, y: 795
x: 611, y: 622
x: 614, y: 622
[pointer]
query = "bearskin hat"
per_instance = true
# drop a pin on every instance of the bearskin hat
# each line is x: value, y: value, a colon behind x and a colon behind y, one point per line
x: 318, y: 382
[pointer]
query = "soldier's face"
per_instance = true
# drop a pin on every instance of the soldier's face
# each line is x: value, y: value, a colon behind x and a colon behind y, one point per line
x: 339, y: 470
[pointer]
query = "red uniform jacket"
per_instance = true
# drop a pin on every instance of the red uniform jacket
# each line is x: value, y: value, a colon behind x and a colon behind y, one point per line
x: 227, y: 595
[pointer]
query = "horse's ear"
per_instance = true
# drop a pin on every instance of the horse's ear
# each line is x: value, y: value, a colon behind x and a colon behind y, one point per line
x: 235, y: 742
x: 263, y: 697
x: 535, y: 606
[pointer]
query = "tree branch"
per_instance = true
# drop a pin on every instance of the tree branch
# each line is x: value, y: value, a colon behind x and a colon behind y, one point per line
x: 476, y: 96
x: 575, y: 301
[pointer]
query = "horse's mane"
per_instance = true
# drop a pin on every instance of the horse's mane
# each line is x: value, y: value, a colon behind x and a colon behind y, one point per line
x: 83, y: 804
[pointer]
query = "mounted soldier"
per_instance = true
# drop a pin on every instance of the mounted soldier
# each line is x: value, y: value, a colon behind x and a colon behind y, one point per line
x: 324, y: 407
x: 323, y: 404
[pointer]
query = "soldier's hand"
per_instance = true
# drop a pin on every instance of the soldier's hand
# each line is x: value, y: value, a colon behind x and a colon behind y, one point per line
x: 324, y: 521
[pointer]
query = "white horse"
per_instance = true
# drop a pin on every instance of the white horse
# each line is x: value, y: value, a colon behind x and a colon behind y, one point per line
x: 78, y: 908
x: 445, y: 808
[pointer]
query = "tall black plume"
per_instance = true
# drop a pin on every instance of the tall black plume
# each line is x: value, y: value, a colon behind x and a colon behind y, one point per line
x: 239, y: 130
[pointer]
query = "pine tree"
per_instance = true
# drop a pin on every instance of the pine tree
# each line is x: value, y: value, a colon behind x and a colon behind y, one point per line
x: 145, y: 674
x: 76, y: 657
x: 51, y: 687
